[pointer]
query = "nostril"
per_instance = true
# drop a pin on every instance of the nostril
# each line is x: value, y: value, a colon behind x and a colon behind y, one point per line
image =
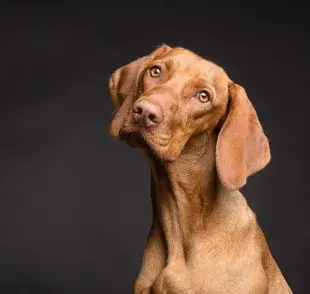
x: 138, y: 109
x: 152, y: 117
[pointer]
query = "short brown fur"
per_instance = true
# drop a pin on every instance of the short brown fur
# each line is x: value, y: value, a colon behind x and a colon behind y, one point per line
x: 204, y: 237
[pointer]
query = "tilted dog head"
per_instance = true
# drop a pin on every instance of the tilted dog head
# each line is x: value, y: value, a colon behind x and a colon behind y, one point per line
x: 172, y: 94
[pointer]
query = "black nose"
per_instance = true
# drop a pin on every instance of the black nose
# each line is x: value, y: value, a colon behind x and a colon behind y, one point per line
x: 147, y: 114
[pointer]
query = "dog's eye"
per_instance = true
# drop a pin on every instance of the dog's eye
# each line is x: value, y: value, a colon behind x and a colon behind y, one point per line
x: 155, y: 71
x: 203, y: 96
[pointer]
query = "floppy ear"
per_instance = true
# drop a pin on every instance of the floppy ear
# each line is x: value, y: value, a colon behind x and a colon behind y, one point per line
x: 242, y: 148
x: 123, y: 86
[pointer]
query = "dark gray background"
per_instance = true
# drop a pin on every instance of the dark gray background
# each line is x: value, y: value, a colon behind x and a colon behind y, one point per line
x: 75, y: 204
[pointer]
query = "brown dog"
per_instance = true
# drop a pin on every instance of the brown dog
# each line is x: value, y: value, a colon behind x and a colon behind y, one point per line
x: 203, y: 139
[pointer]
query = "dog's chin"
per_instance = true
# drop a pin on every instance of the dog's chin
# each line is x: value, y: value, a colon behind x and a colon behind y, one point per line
x: 136, y: 140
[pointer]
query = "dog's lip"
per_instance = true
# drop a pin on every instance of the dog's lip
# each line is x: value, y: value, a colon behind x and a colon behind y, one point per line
x: 134, y: 139
x: 138, y: 139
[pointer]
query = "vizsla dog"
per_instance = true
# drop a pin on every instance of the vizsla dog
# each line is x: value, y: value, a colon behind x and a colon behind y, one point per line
x: 203, y: 139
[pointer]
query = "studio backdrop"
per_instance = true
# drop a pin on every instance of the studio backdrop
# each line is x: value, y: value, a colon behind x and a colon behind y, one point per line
x: 75, y: 206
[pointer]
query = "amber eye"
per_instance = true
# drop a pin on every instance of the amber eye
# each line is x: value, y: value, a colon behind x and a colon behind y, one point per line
x: 203, y: 96
x: 155, y: 71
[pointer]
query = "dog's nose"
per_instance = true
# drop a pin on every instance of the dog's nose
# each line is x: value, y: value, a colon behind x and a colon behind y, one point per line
x: 147, y: 114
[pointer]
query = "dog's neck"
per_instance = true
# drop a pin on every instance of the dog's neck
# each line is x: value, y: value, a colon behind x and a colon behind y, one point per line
x: 184, y: 193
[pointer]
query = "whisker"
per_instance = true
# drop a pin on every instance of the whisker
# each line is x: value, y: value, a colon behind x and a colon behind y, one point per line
x: 126, y: 93
x: 204, y: 146
x: 113, y: 112
x: 210, y: 139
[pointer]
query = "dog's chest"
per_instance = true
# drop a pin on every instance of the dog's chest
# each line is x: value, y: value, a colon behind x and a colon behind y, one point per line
x: 210, y: 283
x: 211, y: 278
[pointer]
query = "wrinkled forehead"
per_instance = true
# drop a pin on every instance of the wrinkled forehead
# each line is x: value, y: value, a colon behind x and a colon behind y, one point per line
x: 182, y: 61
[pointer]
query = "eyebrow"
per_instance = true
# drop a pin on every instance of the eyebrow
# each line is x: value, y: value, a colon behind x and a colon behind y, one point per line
x: 194, y: 84
x: 170, y: 64
x: 197, y: 83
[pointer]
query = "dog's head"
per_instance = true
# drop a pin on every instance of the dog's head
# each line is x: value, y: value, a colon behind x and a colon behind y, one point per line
x: 172, y: 94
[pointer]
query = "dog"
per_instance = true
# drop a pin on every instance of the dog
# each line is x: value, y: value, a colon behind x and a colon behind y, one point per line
x: 203, y: 139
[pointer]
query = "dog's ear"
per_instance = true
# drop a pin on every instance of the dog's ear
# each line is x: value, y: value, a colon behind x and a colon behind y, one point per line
x: 242, y: 147
x: 123, y: 86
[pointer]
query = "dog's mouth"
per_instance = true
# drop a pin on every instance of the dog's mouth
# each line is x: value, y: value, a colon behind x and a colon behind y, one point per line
x: 134, y: 140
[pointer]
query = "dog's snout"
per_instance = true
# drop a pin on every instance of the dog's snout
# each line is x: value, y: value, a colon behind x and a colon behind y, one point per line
x: 147, y: 114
